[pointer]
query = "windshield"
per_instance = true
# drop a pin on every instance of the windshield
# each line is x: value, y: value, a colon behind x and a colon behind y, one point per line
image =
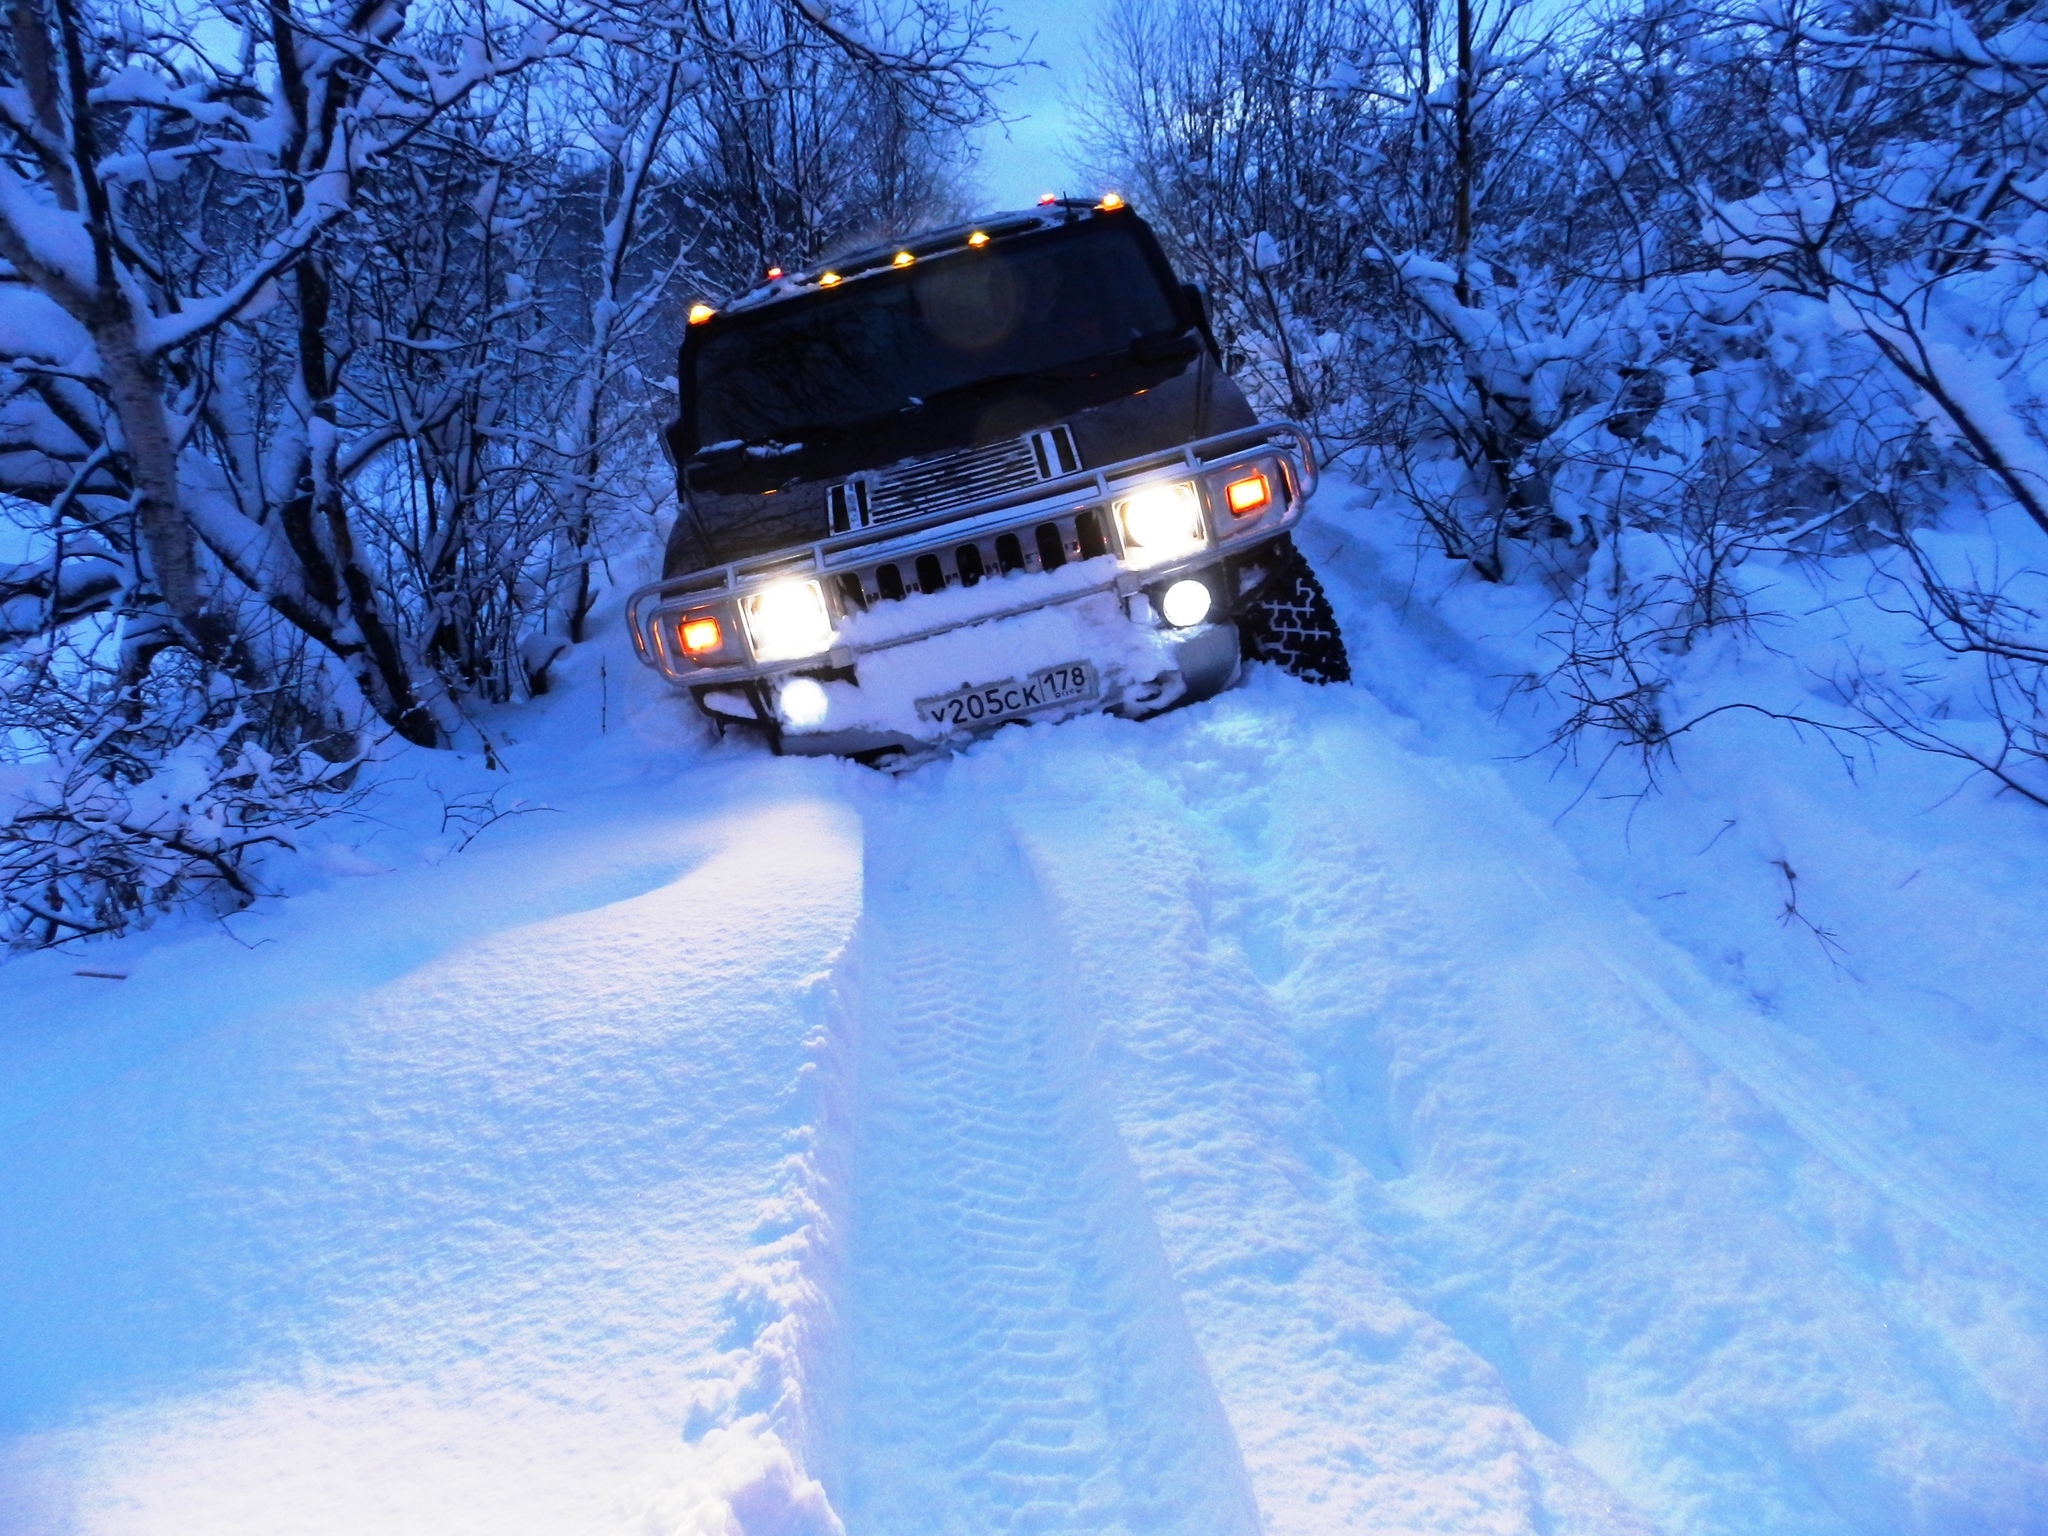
x: 894, y: 341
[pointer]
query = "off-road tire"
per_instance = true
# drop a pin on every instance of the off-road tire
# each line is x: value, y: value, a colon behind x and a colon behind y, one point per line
x: 1289, y: 622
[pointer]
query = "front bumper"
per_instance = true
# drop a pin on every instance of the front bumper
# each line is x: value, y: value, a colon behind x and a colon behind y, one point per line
x: 1056, y: 545
x: 1203, y: 662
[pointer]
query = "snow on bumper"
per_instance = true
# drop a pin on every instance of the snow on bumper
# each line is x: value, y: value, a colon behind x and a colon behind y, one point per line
x: 1136, y: 668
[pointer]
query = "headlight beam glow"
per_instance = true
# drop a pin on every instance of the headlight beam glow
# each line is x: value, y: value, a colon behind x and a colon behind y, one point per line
x: 1185, y: 603
x: 1161, y: 522
x: 803, y: 701
x: 788, y: 621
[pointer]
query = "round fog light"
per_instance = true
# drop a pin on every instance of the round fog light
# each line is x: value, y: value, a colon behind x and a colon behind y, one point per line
x: 1185, y: 603
x: 803, y: 701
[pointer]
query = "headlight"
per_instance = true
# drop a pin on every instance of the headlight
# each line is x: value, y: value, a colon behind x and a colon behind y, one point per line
x: 1185, y: 603
x: 804, y: 702
x: 788, y: 621
x: 1161, y: 523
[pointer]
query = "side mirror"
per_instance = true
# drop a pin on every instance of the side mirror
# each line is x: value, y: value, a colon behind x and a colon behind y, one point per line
x: 1165, y: 349
x: 1197, y: 299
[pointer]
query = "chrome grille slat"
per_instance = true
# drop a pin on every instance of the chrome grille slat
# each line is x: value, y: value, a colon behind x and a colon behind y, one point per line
x: 1042, y: 545
x: 954, y: 479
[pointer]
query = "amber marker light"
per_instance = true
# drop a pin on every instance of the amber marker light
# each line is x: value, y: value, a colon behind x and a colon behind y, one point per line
x: 1246, y: 496
x: 774, y: 273
x: 828, y: 280
x: 1111, y: 201
x: 1047, y: 197
x: 700, y: 636
x: 902, y: 259
x: 977, y: 239
x: 699, y: 313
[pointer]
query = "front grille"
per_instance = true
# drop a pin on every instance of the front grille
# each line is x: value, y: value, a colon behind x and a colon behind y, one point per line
x: 1076, y: 535
x: 951, y: 480
x: 846, y: 506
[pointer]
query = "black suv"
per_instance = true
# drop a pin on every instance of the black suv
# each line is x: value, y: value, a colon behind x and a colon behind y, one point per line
x: 993, y: 473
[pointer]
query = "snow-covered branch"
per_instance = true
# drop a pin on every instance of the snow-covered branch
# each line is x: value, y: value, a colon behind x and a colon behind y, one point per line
x: 326, y: 327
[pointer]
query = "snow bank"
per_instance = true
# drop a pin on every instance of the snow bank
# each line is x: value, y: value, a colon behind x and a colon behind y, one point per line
x: 1273, y: 1116
x: 457, y: 1198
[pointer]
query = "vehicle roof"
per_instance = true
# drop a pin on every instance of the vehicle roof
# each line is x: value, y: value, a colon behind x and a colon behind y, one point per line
x: 1055, y: 214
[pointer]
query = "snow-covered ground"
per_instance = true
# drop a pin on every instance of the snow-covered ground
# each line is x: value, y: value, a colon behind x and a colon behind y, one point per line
x: 1291, y: 1114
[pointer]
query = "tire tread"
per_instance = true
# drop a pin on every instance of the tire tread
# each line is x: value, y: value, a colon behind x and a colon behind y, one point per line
x: 1290, y: 623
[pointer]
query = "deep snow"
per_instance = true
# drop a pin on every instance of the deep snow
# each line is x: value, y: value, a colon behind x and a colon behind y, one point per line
x: 1283, y: 1114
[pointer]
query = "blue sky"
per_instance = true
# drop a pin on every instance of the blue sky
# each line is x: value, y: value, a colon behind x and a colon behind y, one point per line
x: 1033, y: 156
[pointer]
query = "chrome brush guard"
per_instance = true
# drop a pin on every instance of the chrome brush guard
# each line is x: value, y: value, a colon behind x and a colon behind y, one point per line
x: 1036, y: 528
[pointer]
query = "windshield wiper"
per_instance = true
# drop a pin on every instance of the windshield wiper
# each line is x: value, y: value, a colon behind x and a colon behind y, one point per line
x: 1072, y: 373
x: 744, y: 448
x: 1175, y: 348
x: 1166, y: 349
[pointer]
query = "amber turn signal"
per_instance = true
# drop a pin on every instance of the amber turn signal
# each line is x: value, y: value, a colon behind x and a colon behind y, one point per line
x: 699, y: 313
x: 700, y: 636
x: 1246, y: 496
x: 977, y: 239
x: 902, y: 259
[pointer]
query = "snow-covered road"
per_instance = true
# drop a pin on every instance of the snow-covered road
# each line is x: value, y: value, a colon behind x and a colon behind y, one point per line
x: 1019, y: 1357
x: 1253, y: 1120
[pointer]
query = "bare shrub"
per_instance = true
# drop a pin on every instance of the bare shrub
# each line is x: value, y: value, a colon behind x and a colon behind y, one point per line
x: 159, y: 795
x: 333, y: 351
x: 1657, y: 307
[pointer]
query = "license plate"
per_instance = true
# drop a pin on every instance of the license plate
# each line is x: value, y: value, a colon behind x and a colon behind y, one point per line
x: 1011, y: 698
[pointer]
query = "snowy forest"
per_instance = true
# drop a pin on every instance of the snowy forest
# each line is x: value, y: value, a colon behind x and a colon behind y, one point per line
x: 335, y: 344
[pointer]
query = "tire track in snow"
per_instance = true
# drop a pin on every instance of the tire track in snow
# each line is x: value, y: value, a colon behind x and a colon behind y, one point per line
x: 1357, y: 1408
x: 1840, y: 1116
x: 1018, y: 1355
x: 1473, y: 1235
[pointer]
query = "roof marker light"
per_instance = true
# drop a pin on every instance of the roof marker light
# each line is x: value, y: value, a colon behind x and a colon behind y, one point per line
x: 828, y: 280
x: 978, y: 239
x: 700, y: 312
x: 1111, y: 201
x: 1047, y: 197
x: 902, y: 259
x: 774, y: 273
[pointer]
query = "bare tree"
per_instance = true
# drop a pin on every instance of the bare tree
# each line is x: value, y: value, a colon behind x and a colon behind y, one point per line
x: 1625, y: 302
x: 322, y: 347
